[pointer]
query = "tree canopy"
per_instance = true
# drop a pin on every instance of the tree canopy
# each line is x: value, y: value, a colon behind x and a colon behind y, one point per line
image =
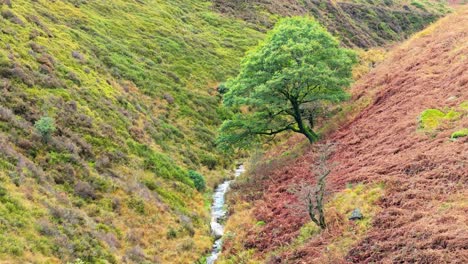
x: 298, y: 65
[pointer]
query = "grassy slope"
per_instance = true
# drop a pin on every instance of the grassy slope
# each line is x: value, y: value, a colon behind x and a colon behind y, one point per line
x: 358, y: 23
x: 130, y: 85
x: 394, y: 143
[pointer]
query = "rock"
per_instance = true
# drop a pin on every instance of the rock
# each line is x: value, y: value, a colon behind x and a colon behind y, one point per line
x: 356, y: 215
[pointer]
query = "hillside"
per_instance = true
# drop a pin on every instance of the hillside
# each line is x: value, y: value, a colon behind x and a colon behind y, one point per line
x: 131, y: 89
x: 357, y: 23
x: 402, y: 161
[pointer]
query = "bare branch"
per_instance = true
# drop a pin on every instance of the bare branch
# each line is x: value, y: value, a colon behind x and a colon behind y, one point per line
x: 312, y: 196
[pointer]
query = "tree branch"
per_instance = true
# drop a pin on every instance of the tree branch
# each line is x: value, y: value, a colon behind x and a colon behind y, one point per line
x: 271, y: 132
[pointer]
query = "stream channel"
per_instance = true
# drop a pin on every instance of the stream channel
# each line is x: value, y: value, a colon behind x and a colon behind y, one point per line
x: 218, y: 215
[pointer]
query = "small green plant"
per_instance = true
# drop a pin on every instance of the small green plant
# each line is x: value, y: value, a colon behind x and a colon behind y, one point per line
x: 260, y: 223
x: 198, y: 180
x: 137, y: 205
x: 460, y: 133
x: 431, y: 119
x: 171, y: 233
x: 46, y: 127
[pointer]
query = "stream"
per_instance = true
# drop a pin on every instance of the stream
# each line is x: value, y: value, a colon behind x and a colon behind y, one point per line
x: 218, y: 215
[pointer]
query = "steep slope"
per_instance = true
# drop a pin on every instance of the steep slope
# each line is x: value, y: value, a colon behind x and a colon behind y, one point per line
x: 403, y: 161
x: 356, y: 23
x: 129, y: 85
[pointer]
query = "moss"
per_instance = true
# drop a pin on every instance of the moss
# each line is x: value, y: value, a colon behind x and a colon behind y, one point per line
x: 459, y: 133
x: 432, y: 119
x: 452, y: 115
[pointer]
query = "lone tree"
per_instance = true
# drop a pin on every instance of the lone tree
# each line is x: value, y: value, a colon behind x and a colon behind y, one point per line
x: 299, y: 65
x: 312, y: 197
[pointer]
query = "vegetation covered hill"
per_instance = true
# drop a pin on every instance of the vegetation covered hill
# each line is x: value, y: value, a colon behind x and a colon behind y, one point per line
x: 402, y: 161
x: 361, y: 23
x: 127, y: 84
x: 106, y: 110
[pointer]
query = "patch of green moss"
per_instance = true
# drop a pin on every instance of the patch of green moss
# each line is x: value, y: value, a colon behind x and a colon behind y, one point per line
x: 431, y: 119
x: 459, y: 133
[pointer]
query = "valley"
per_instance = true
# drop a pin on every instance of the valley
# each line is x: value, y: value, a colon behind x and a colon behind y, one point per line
x: 111, y: 116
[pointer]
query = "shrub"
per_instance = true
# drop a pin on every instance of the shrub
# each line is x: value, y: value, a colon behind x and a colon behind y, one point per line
x: 135, y: 254
x: 171, y: 233
x: 7, y: 14
x: 46, y: 127
x: 312, y: 197
x: 210, y: 161
x: 222, y: 88
x: 85, y: 190
x: 137, y: 205
x: 198, y: 180
x: 460, y: 133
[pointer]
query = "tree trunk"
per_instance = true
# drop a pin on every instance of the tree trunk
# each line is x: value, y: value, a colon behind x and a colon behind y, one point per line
x: 303, y: 128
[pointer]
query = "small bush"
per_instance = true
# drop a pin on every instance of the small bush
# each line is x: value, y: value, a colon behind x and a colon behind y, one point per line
x: 460, y: 133
x: 7, y: 14
x: 222, y: 88
x: 210, y: 161
x: 198, y: 180
x: 135, y: 254
x: 171, y: 233
x: 169, y: 98
x: 46, y: 127
x: 137, y: 205
x: 85, y: 190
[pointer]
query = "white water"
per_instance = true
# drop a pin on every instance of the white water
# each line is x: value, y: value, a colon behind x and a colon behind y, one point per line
x: 218, y: 214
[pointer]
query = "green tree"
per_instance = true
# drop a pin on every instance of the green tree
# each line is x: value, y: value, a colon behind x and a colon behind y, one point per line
x: 299, y: 65
x: 46, y: 127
